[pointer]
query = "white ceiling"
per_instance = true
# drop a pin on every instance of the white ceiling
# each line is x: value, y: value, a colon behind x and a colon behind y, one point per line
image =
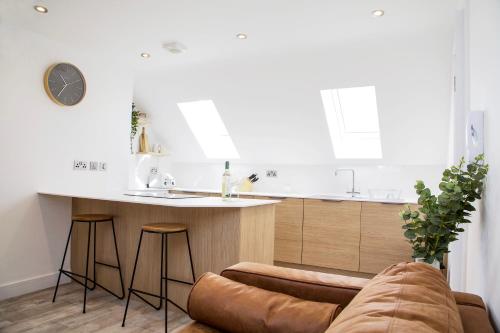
x: 125, y: 28
x: 266, y: 88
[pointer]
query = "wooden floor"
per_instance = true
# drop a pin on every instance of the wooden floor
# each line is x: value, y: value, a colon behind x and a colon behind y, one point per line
x: 36, y: 313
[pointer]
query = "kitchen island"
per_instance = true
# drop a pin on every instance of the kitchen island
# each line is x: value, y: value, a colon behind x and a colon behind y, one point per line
x: 222, y: 233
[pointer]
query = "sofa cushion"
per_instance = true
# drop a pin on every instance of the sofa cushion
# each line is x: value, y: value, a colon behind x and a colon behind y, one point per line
x: 235, y: 307
x: 195, y: 327
x: 407, y: 297
x: 312, y: 286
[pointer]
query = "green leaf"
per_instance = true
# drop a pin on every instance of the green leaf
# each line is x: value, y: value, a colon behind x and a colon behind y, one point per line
x: 419, y: 185
x: 410, y: 234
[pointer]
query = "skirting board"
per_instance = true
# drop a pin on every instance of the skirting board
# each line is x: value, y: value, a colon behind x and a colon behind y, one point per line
x: 30, y: 285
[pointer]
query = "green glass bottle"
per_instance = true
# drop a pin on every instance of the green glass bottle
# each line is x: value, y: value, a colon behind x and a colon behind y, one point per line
x: 226, y: 183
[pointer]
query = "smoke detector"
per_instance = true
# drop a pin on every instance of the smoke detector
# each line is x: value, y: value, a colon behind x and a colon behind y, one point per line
x: 174, y: 47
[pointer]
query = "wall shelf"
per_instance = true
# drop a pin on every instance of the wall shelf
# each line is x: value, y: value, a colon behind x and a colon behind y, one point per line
x: 152, y: 154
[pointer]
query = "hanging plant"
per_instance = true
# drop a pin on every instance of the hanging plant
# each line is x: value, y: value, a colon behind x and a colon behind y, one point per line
x: 439, y: 220
x: 134, y: 123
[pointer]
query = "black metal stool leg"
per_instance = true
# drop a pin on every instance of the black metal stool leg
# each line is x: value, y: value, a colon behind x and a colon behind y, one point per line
x: 118, y: 260
x: 132, y: 281
x: 95, y: 241
x: 166, y: 283
x: 190, y: 257
x: 87, y: 269
x: 161, y: 271
x: 62, y: 264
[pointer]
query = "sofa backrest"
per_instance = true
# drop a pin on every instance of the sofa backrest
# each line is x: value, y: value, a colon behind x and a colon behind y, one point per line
x: 307, y: 285
x: 407, y: 297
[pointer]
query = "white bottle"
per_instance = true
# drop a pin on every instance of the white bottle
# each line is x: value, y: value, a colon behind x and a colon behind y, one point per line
x: 226, y: 183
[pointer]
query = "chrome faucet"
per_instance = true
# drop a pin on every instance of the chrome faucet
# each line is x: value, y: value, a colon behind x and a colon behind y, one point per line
x: 352, y: 191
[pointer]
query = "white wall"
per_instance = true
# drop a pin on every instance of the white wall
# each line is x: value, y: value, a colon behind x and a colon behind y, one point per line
x: 307, y: 179
x: 272, y: 108
x: 481, y: 264
x: 457, y: 258
x: 484, y: 71
x: 39, y: 142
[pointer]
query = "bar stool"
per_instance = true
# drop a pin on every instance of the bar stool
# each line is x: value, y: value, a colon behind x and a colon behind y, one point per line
x: 164, y: 229
x: 90, y: 219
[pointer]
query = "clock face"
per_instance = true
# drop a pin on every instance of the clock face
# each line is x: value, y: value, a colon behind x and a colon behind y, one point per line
x: 65, y: 84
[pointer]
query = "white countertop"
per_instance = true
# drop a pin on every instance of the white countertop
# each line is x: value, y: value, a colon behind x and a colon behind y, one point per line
x: 325, y: 196
x: 202, y: 202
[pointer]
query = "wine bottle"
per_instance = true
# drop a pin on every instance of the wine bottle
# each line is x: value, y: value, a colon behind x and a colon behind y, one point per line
x: 226, y: 183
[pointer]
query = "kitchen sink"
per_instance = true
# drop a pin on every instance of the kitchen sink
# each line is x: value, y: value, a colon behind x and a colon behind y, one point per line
x: 348, y: 197
x: 338, y: 197
x: 160, y: 194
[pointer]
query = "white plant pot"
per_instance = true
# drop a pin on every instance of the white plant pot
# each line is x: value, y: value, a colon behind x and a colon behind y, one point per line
x: 435, y: 264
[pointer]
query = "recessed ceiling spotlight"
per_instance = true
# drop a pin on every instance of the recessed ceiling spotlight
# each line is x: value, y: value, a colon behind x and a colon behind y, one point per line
x: 41, y: 9
x: 241, y: 36
x: 378, y: 13
x: 145, y: 55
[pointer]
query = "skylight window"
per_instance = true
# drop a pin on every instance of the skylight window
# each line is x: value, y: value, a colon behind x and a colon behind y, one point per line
x: 352, y: 118
x: 208, y: 128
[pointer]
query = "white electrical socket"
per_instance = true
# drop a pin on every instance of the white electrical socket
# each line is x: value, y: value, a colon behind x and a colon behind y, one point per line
x: 153, y: 170
x: 272, y: 173
x: 93, y: 165
x: 80, y: 165
x: 103, y: 166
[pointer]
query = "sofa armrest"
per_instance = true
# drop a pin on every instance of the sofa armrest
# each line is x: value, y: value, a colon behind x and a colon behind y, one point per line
x: 468, y: 299
x: 307, y: 285
x: 231, y: 306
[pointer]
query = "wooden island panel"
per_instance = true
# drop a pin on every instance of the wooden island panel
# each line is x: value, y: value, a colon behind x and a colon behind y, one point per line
x: 219, y: 237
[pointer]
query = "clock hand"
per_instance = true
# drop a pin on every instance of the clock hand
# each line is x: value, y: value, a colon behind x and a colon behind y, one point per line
x: 73, y: 82
x: 62, y: 90
x: 63, y: 79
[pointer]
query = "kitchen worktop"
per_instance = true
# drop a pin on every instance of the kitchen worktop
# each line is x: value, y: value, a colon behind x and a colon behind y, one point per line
x: 328, y: 196
x: 119, y: 196
x: 221, y: 233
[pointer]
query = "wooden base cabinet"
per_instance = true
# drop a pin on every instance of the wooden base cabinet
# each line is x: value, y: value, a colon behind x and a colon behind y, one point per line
x: 331, y: 234
x: 382, y: 241
x: 288, y: 229
x: 345, y: 235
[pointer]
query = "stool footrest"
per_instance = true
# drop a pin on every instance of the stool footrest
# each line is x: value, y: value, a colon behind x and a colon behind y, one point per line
x: 69, y: 274
x: 136, y: 292
x: 108, y: 265
x: 178, y: 281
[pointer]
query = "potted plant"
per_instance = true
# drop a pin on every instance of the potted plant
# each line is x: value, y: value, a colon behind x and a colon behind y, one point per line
x: 134, y: 122
x: 438, y: 222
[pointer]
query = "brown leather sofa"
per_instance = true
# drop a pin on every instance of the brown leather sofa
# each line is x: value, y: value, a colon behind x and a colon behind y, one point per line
x: 407, y: 297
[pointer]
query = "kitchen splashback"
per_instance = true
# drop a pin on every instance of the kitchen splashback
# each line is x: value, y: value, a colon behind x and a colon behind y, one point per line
x: 308, y: 178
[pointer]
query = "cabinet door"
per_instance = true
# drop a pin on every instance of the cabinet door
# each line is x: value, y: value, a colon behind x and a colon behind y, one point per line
x: 331, y: 234
x: 288, y: 229
x: 382, y: 240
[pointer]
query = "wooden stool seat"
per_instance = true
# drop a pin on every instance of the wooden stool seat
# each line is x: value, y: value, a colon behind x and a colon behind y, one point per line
x: 164, y: 227
x: 92, y: 217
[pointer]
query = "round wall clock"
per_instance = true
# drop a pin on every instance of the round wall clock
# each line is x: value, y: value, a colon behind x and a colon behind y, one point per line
x: 65, y: 84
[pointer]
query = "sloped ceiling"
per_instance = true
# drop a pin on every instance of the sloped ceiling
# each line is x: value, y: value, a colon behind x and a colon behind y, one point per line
x: 266, y: 88
x: 270, y: 101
